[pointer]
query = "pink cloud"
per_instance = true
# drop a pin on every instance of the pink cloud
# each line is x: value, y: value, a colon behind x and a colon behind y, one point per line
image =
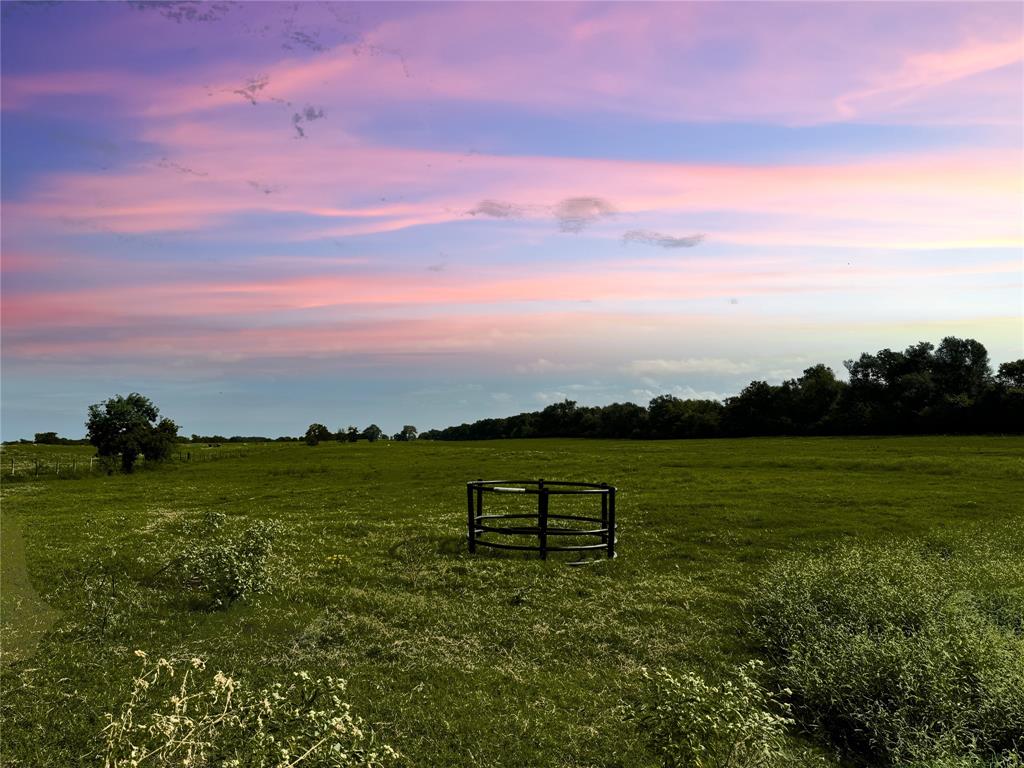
x: 922, y: 72
x: 340, y: 297
x: 956, y: 197
x: 626, y: 58
x: 23, y: 91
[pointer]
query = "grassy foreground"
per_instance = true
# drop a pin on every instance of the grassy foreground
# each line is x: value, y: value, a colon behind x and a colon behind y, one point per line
x: 456, y: 659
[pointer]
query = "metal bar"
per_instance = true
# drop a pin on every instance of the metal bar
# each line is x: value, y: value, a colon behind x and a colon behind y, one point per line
x: 531, y: 548
x: 478, y: 510
x: 611, y: 522
x: 604, y: 517
x: 576, y: 547
x: 533, y: 516
x: 542, y: 520
x: 550, y: 484
x: 534, y: 530
x: 471, y: 521
x: 499, y: 545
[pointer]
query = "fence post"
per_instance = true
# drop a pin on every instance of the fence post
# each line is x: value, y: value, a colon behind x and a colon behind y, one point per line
x: 12, y: 467
x: 91, y: 460
x: 472, y: 517
x: 542, y: 519
x: 37, y: 467
x: 74, y: 466
x: 57, y: 471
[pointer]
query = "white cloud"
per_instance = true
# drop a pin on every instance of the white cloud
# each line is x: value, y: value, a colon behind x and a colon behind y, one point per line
x: 711, y: 365
x: 644, y: 396
x: 542, y: 365
x: 551, y: 397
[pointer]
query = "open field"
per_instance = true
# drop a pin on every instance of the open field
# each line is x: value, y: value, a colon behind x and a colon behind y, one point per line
x: 457, y: 659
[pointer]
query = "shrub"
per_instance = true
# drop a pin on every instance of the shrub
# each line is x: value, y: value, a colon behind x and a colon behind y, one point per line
x: 110, y: 603
x: 226, y: 568
x: 178, y: 714
x: 734, y: 724
x: 901, y: 654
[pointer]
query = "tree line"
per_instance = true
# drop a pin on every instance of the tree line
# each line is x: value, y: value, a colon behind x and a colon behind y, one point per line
x: 922, y: 390
x: 317, y: 433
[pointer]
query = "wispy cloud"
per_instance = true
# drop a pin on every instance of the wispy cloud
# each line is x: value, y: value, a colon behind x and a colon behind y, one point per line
x: 707, y: 365
x: 544, y: 366
x: 576, y: 213
x: 648, y: 237
x: 307, y: 115
x: 573, y: 214
x: 497, y: 209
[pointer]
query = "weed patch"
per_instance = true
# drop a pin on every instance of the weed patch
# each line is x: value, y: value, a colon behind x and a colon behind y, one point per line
x: 902, y: 653
x: 733, y: 724
x: 178, y: 713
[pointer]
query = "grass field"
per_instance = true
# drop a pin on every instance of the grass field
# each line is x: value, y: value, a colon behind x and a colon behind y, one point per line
x: 456, y: 659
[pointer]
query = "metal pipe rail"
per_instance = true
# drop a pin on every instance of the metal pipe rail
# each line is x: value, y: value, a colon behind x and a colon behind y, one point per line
x: 478, y: 524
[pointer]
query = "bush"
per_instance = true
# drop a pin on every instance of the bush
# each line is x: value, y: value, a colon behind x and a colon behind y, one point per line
x: 736, y: 723
x: 178, y: 714
x: 228, y: 567
x: 902, y: 654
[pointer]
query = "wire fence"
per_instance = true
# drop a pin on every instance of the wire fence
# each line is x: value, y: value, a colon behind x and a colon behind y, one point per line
x: 22, y: 466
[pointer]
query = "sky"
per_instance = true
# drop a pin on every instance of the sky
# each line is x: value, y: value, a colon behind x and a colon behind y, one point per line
x: 263, y: 215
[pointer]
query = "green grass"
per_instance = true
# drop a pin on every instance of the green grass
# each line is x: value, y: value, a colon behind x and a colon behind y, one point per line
x: 458, y: 659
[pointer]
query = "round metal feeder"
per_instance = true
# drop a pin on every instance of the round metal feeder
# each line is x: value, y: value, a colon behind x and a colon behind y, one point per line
x: 484, y: 529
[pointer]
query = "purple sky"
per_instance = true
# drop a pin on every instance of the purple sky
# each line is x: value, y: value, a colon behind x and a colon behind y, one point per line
x: 267, y: 214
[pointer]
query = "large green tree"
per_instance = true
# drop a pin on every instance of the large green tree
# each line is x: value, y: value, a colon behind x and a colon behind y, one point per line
x: 316, y: 433
x: 129, y: 426
x: 408, y: 433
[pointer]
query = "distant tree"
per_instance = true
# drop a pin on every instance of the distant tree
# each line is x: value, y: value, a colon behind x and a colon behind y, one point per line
x: 408, y: 433
x: 352, y: 434
x: 759, y: 409
x: 922, y: 389
x: 815, y: 397
x: 559, y: 420
x: 158, y: 443
x: 52, y: 438
x: 961, y: 367
x: 127, y: 426
x: 700, y: 418
x: 373, y: 433
x: 316, y: 433
x: 1010, y: 374
x: 1004, y: 406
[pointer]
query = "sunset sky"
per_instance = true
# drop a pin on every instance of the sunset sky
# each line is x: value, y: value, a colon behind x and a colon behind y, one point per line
x: 264, y: 215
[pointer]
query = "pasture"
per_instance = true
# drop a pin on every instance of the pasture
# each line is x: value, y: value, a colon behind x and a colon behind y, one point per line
x: 453, y: 659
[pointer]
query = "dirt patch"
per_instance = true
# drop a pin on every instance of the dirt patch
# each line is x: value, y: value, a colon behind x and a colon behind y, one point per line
x: 24, y: 616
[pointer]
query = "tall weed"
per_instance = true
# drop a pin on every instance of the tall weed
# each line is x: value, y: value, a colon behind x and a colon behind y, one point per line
x: 179, y: 714
x: 903, y: 653
x: 221, y: 568
x: 732, y: 724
